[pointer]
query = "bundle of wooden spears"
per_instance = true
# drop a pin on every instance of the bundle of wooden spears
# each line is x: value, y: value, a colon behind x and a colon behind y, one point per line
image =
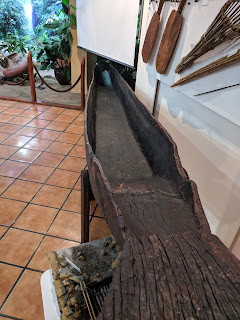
x: 210, y: 68
x: 226, y: 26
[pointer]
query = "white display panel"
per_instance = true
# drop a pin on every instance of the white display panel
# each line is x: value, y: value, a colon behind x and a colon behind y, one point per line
x: 108, y: 28
x: 197, y: 18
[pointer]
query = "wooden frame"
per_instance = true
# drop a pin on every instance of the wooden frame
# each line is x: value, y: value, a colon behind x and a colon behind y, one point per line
x: 33, y: 89
x: 86, y: 196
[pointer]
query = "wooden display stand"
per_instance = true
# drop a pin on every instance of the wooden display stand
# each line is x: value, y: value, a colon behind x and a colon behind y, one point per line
x: 86, y: 197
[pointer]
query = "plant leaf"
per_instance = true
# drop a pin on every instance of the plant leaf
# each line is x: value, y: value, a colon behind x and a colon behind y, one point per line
x: 73, y: 19
x: 66, y: 2
x: 54, y: 25
x: 59, y: 13
x: 74, y: 8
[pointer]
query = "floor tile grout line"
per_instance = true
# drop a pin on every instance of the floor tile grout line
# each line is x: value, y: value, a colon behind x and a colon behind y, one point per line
x: 21, y: 267
x: 55, y: 171
x: 33, y: 196
x: 28, y: 202
x: 44, y: 234
x: 5, y: 300
x: 11, y: 264
x: 11, y: 177
x: 14, y: 106
x: 31, y: 138
x: 49, y: 178
x: 30, y: 163
x: 9, y: 317
x: 14, y: 179
x: 26, y: 266
x: 48, y: 184
x: 17, y: 108
x: 8, y: 122
x: 13, y: 222
x: 61, y: 208
x: 34, y: 118
x: 72, y: 188
x: 43, y: 128
x: 41, y: 205
x: 43, y: 184
x: 35, y: 137
x: 14, y: 285
x: 92, y: 216
x: 79, y: 179
x: 16, y: 152
x: 36, y: 159
x: 42, y: 139
x: 34, y: 270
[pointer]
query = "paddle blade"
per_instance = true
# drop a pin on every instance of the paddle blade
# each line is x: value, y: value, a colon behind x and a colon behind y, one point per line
x: 150, y: 37
x: 169, y: 41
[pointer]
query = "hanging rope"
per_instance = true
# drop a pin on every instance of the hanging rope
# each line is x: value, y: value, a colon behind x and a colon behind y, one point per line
x: 13, y: 83
x: 66, y: 90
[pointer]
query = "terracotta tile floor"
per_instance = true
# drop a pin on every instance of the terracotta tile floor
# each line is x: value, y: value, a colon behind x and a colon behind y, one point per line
x: 42, y: 154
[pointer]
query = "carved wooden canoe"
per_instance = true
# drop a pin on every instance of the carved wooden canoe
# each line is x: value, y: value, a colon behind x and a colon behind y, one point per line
x: 171, y: 267
x: 16, y: 70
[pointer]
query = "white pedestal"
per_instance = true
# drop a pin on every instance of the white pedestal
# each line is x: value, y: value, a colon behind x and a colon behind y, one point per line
x: 49, y: 297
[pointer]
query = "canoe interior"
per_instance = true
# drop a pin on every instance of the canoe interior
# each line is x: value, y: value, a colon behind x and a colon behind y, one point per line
x: 138, y: 158
x: 172, y: 267
x: 130, y: 176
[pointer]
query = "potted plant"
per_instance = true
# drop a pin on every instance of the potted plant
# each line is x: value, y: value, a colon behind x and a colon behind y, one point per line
x: 54, y: 50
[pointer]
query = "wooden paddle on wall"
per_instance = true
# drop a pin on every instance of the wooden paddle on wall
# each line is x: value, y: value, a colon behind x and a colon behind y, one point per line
x: 169, y: 38
x: 151, y: 33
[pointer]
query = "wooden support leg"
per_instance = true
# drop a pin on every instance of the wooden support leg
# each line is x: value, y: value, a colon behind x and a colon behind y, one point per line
x: 31, y: 77
x: 156, y: 97
x: 87, y: 195
x: 83, y: 84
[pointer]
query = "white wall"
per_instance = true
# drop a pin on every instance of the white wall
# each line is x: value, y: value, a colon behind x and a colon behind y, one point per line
x: 206, y: 130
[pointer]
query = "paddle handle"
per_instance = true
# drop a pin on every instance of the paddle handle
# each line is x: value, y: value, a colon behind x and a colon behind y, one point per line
x: 161, y: 3
x: 181, y: 6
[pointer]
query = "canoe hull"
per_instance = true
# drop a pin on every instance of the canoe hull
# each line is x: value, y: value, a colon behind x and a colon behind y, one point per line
x: 171, y: 267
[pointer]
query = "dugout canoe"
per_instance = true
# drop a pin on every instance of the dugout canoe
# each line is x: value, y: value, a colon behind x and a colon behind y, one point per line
x: 172, y: 266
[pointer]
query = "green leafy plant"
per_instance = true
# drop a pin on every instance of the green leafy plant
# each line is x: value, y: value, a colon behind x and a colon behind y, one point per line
x: 44, y: 9
x: 54, y: 51
x: 16, y: 43
x: 11, y: 18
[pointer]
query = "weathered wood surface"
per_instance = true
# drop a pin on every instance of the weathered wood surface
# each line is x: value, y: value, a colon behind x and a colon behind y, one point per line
x: 16, y: 70
x: 169, y: 39
x: 172, y: 267
x: 151, y: 33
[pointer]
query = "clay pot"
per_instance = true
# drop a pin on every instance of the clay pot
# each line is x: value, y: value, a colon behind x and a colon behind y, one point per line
x: 60, y: 76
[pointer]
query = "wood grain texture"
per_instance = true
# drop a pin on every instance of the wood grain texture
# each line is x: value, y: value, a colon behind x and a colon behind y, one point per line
x: 16, y: 70
x: 169, y: 41
x: 150, y: 37
x: 171, y: 267
x: 31, y: 77
x: 151, y: 34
